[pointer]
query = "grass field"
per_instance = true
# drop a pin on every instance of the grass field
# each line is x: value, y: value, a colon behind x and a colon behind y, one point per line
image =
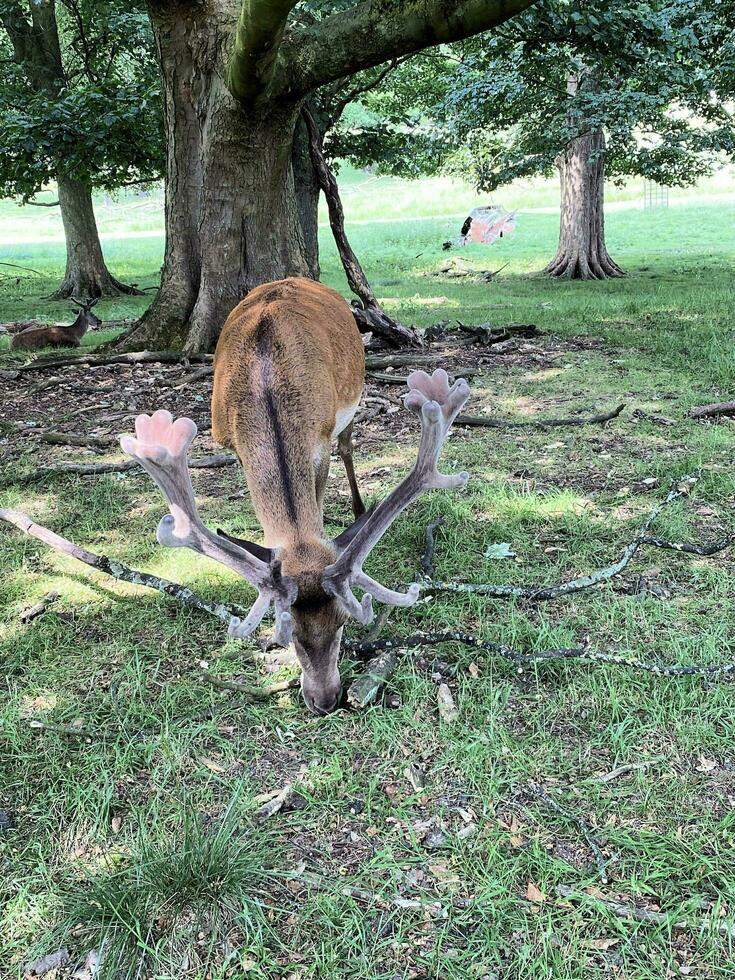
x: 133, y: 808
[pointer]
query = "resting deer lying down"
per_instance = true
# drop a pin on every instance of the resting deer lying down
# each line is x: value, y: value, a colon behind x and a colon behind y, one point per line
x: 59, y: 335
x: 288, y: 375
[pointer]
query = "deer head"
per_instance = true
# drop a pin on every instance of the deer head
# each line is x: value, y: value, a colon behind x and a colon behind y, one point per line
x: 309, y: 583
x: 85, y: 318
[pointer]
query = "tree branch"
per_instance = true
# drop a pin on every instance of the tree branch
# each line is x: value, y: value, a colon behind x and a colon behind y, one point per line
x: 258, y: 35
x: 115, y: 568
x: 375, y: 31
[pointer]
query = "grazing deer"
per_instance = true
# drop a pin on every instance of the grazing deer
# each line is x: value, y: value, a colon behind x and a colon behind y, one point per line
x: 59, y: 335
x: 288, y: 375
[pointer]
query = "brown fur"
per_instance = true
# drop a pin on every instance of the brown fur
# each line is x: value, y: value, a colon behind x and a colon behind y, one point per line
x: 33, y: 338
x: 288, y: 359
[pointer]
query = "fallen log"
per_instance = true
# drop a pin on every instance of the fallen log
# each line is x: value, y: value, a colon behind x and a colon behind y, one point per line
x: 713, y: 410
x: 102, y: 360
x: 477, y: 421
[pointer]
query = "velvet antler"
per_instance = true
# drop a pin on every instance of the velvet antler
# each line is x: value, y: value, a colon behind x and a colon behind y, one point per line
x: 437, y: 404
x: 160, y: 445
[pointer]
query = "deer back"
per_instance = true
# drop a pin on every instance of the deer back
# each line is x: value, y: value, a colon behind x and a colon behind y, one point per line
x: 33, y: 338
x: 288, y: 368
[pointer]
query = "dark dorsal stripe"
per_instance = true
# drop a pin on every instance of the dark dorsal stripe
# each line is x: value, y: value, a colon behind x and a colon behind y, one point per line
x: 264, y: 344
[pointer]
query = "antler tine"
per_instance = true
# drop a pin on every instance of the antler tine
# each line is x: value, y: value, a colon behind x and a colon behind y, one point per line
x: 160, y: 446
x: 437, y: 404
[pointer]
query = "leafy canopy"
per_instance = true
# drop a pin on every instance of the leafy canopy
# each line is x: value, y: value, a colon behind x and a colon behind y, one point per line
x: 653, y: 75
x: 97, y: 116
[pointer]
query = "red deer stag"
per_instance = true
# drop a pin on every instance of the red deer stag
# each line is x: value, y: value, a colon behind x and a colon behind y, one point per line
x: 59, y: 335
x: 288, y: 375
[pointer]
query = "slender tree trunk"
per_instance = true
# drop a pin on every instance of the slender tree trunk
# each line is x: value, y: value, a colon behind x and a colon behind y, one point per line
x: 582, y: 253
x: 86, y: 274
x: 232, y: 214
x: 370, y: 316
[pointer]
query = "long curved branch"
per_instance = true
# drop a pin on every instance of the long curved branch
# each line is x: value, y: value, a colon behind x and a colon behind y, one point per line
x: 376, y: 31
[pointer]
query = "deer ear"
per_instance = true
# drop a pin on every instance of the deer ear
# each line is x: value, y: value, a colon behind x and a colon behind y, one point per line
x: 344, y: 538
x: 257, y: 550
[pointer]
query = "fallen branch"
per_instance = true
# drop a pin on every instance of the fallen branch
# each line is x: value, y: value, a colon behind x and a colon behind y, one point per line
x: 521, y: 659
x: 584, y: 827
x: 402, y: 379
x: 623, y: 910
x: 96, y: 469
x: 75, y: 439
x: 116, y: 569
x: 102, y: 360
x: 377, y: 361
x: 472, y: 421
x: 535, y: 592
x: 25, y: 268
x: 369, y: 315
x: 709, y: 411
x: 365, y: 687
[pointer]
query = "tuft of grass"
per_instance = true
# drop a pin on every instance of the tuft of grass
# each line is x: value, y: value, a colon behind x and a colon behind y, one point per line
x: 169, y: 906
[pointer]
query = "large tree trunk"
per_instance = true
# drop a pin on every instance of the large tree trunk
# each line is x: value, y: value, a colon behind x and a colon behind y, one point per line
x: 86, y: 274
x: 232, y: 217
x: 306, y: 186
x: 582, y: 253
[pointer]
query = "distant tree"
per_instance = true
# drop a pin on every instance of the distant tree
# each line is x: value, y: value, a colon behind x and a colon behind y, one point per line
x: 79, y: 105
x: 592, y: 89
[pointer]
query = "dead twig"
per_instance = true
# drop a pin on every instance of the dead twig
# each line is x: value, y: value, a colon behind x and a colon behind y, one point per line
x: 34, y: 611
x: 623, y: 910
x: 540, y: 793
x: 471, y: 421
x: 623, y: 770
x: 254, y: 691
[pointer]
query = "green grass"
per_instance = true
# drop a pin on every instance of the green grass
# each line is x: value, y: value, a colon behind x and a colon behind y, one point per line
x: 138, y: 834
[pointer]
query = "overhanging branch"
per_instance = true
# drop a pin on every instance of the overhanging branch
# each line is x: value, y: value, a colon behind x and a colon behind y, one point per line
x: 376, y: 31
x: 258, y: 35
